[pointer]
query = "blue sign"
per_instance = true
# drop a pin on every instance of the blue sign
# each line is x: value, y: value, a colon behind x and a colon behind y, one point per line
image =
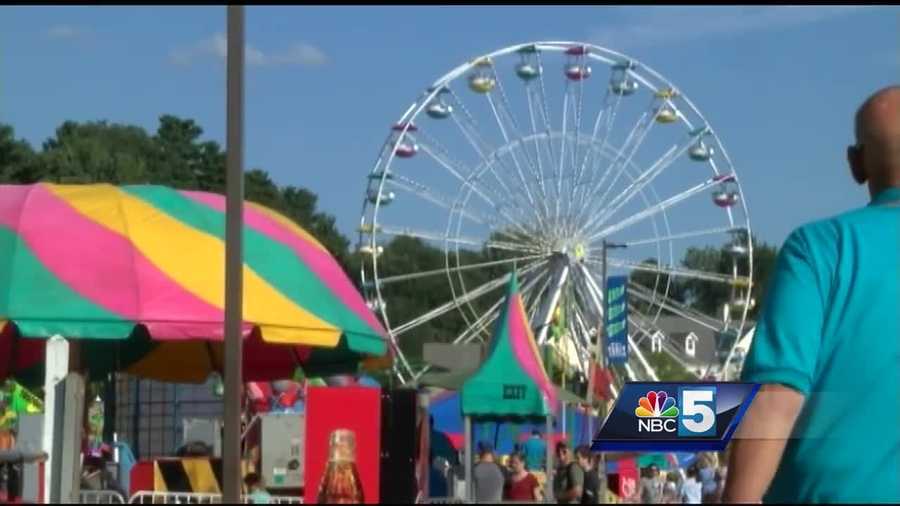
x: 617, y: 319
x: 675, y: 417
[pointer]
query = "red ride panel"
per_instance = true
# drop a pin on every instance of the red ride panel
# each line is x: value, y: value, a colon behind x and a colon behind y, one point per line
x: 355, y: 408
x: 141, y: 477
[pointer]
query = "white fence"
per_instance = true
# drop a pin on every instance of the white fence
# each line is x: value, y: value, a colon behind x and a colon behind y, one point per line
x: 198, y: 498
x: 456, y: 500
x: 101, y: 497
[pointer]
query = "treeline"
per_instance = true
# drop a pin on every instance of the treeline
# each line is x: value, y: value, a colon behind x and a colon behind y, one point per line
x: 174, y: 155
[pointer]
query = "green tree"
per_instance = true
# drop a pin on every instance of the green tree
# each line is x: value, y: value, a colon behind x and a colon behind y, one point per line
x: 96, y: 152
x: 179, y: 156
x: 175, y: 156
x: 709, y: 297
x: 17, y: 158
x: 667, y: 368
x: 657, y: 282
x: 764, y: 257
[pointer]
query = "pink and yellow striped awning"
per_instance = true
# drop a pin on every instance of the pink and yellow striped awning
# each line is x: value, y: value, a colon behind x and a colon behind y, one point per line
x: 101, y: 262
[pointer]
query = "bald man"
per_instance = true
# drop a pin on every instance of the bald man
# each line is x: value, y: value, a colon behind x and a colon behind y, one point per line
x: 825, y: 426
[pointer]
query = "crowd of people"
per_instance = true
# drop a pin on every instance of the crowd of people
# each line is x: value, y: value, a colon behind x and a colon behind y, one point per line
x: 577, y: 479
x: 580, y: 479
x: 701, y: 483
x: 579, y: 476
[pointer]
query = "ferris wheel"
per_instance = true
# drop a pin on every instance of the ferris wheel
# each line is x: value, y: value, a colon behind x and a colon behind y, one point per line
x: 565, y: 162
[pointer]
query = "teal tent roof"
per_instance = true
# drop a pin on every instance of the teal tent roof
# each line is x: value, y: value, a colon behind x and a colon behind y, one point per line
x: 512, y: 380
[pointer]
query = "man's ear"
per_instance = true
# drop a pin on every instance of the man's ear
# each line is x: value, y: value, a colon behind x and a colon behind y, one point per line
x: 855, y: 160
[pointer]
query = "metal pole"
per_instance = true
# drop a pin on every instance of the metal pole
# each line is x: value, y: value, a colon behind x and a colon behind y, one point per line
x: 601, y: 361
x: 231, y: 445
x: 467, y: 440
x: 548, y: 483
x: 598, y: 354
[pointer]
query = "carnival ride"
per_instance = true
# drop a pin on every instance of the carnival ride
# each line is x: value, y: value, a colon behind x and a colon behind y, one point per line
x: 542, y: 157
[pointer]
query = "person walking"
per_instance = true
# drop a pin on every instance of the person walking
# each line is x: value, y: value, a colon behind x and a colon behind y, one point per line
x: 535, y: 451
x: 651, y: 487
x: 590, y: 490
x: 569, y: 480
x: 671, y: 487
x: 521, y: 484
x: 707, y: 475
x: 827, y: 345
x: 488, y: 477
x: 691, y: 489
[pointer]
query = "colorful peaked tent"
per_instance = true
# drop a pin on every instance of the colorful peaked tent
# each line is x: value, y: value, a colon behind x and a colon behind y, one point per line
x: 512, y: 380
x: 143, y: 267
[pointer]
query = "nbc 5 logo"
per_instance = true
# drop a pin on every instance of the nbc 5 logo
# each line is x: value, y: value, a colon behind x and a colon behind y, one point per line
x: 658, y: 412
x: 698, y: 411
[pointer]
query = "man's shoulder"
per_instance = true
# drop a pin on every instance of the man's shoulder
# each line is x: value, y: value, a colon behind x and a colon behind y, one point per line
x: 819, y: 241
x: 827, y: 230
x: 489, y: 467
x: 818, y: 232
x: 574, y: 469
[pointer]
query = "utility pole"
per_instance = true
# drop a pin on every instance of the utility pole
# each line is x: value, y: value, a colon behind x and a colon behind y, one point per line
x: 599, y: 355
x: 234, y: 217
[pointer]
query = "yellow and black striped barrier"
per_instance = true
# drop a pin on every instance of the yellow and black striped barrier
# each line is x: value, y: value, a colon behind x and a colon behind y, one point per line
x: 197, y: 475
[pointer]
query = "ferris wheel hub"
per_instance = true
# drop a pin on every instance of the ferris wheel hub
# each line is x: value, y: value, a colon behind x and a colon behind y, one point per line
x: 571, y: 250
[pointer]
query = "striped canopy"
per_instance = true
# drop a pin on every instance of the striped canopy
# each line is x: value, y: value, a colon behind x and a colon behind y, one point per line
x: 145, y: 265
x: 512, y: 380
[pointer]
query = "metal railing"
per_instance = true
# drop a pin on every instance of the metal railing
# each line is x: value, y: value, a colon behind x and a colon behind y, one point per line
x: 457, y: 500
x: 175, y: 498
x: 199, y: 498
x: 101, y: 497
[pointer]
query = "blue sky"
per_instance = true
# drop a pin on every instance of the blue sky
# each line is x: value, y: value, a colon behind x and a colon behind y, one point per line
x: 779, y: 84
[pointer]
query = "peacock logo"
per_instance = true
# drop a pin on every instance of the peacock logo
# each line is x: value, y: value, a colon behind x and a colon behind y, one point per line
x: 656, y: 405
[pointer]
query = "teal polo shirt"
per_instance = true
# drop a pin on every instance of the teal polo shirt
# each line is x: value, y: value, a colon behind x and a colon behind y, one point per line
x: 830, y: 329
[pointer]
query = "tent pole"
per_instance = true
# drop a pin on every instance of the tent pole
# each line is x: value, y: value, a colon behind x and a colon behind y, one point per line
x: 56, y: 353
x: 548, y: 485
x: 496, y: 434
x: 467, y: 441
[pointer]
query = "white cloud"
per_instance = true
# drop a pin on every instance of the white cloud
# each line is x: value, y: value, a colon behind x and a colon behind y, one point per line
x: 61, y: 32
x: 301, y: 54
x: 217, y: 47
x: 664, y: 25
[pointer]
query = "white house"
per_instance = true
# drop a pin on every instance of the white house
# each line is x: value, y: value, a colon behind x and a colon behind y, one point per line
x: 656, y: 341
x: 690, y: 344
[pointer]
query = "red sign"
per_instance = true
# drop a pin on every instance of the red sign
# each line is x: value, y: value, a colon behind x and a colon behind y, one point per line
x: 603, y: 378
x: 337, y: 420
x: 628, y: 478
